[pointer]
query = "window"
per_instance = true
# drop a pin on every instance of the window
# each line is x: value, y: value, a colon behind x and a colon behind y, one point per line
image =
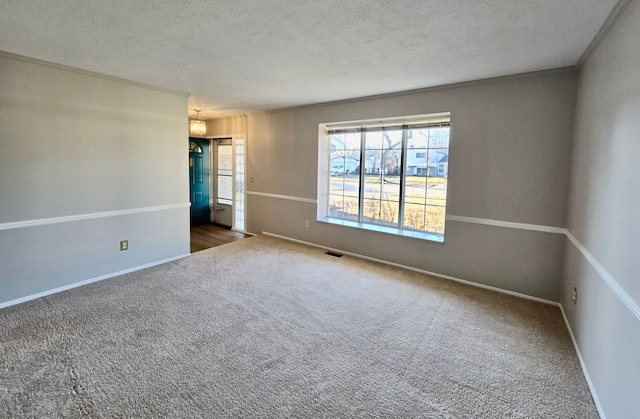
x: 388, y: 175
x: 225, y: 174
x: 238, y: 209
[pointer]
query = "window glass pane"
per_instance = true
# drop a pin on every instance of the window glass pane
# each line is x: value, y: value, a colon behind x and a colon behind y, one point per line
x: 225, y: 196
x: 373, y: 162
x: 344, y: 176
x: 337, y: 142
x: 428, y: 162
x: 347, y: 185
x: 415, y: 217
x: 439, y: 137
x: 435, y: 219
x: 372, y: 187
x: 238, y: 209
x: 225, y: 175
x: 381, y: 211
x: 343, y: 207
x: 341, y: 165
x: 417, y: 160
x: 382, y: 182
x: 418, y: 138
x: 415, y: 189
x: 392, y: 153
x: 352, y: 141
x: 373, y: 140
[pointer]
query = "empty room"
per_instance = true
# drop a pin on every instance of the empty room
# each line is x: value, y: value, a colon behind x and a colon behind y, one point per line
x: 418, y: 208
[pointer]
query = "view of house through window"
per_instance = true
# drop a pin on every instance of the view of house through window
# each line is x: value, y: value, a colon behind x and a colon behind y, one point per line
x: 390, y: 176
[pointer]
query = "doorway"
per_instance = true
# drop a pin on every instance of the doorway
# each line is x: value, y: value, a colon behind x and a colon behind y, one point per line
x: 199, y: 180
x: 217, y: 181
x: 222, y: 213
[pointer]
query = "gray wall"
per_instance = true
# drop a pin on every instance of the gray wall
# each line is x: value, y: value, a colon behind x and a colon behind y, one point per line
x: 510, y: 145
x: 603, y: 217
x: 86, y: 161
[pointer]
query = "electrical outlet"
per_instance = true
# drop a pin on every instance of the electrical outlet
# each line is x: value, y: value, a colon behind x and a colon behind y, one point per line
x: 124, y: 245
x: 575, y: 296
x: 252, y: 179
x: 306, y: 223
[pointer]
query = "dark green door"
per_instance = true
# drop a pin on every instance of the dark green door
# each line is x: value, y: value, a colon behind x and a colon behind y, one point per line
x: 199, y: 174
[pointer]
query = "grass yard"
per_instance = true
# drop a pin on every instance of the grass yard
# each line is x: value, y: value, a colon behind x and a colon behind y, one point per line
x: 424, y: 208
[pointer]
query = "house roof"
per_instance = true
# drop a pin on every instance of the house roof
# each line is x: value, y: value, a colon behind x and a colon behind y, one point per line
x: 439, y: 157
x: 237, y: 57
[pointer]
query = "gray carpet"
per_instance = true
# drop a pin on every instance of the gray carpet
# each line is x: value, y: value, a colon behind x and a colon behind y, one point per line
x: 269, y: 328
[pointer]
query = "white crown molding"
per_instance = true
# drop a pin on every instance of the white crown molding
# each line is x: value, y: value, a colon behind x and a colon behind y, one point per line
x: 604, y: 29
x: 93, y: 73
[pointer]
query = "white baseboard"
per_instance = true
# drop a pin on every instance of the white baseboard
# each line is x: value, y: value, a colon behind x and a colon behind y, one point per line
x: 410, y: 268
x: 88, y: 281
x: 582, y: 364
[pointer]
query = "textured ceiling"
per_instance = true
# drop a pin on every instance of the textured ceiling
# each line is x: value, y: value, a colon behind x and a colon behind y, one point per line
x: 238, y: 56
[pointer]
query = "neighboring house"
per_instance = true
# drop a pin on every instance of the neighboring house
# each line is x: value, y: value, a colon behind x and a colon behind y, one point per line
x: 438, y: 163
x: 421, y: 162
x: 344, y: 165
x: 372, y: 165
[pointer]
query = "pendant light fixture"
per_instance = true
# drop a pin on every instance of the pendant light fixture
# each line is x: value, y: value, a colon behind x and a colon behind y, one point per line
x: 197, y: 127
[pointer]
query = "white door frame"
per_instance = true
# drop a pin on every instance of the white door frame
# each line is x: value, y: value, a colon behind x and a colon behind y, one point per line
x: 238, y: 184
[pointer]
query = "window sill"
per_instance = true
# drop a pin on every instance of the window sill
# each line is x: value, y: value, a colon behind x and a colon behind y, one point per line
x: 434, y: 237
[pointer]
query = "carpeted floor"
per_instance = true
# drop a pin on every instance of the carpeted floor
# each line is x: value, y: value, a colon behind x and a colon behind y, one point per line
x: 269, y: 328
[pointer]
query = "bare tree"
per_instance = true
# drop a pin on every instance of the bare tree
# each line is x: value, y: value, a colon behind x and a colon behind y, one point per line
x: 392, y: 153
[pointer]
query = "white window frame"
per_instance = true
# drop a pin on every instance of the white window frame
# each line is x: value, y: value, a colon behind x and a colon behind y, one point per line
x: 324, y: 174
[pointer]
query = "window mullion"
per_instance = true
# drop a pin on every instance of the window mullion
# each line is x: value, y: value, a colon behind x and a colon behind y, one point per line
x: 403, y: 170
x: 362, y: 177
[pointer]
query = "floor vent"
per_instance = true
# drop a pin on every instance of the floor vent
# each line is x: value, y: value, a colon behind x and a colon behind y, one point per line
x: 337, y: 255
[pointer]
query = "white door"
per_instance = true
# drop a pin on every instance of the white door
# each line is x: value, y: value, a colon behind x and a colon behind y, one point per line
x: 223, y: 183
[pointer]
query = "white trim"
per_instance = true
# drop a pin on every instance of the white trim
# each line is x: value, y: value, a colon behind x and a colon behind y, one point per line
x: 287, y: 197
x: 517, y: 76
x: 89, y: 281
x: 90, y: 216
x: 507, y: 224
x: 620, y: 292
x: 594, y: 395
x: 243, y: 232
x: 602, y: 32
x: 422, y: 235
x: 462, y: 281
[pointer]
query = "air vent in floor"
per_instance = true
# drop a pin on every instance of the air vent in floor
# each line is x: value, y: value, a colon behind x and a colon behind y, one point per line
x: 334, y: 254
